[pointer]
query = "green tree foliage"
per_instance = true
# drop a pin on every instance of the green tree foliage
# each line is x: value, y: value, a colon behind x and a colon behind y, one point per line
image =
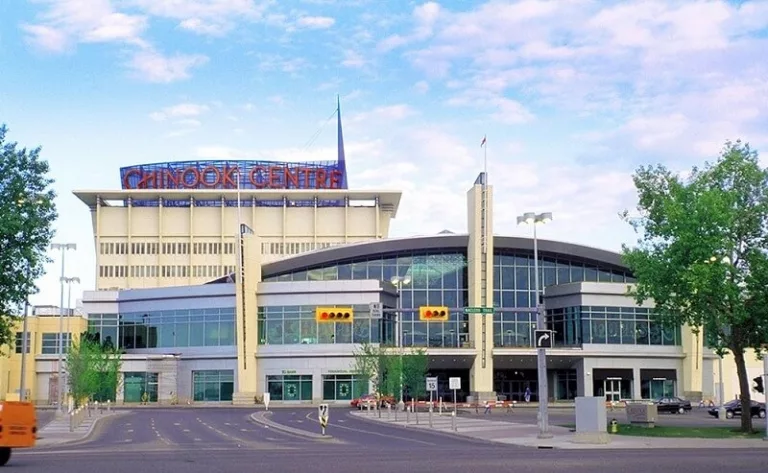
x: 93, y: 370
x: 415, y: 365
x: 703, y: 254
x: 27, y: 213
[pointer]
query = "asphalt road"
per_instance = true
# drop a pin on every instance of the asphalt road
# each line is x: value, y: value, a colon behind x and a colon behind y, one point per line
x: 225, y: 440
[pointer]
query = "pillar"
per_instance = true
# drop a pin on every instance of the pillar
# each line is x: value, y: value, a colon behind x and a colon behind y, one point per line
x: 690, y: 383
x: 636, y: 383
x: 246, y: 282
x: 480, y: 281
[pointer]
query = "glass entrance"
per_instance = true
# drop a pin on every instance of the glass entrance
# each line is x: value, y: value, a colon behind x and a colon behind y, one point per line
x: 658, y: 388
x: 612, y: 390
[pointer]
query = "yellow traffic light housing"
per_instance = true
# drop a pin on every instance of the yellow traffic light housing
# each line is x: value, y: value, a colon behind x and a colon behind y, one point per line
x: 334, y: 314
x: 433, y: 314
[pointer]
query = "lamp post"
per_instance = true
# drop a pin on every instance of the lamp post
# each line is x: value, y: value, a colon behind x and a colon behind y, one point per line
x: 533, y: 219
x: 399, y: 282
x: 70, y: 310
x: 63, y: 247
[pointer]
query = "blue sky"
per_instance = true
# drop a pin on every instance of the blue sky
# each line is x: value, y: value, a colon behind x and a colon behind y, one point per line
x: 572, y: 94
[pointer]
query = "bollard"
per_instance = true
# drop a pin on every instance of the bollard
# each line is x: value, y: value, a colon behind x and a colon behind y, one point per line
x: 453, y: 420
x: 416, y: 413
x: 430, y: 415
x: 109, y: 405
x: 441, y: 406
x: 389, y: 411
x: 407, y: 415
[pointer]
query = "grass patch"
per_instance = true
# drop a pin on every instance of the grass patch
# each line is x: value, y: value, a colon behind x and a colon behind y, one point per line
x: 685, y: 432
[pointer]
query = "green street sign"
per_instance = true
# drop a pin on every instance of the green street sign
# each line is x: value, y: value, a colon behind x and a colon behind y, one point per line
x: 479, y: 310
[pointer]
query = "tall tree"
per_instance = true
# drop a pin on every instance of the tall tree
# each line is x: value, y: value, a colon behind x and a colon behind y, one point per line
x: 93, y: 369
x: 415, y: 365
x: 27, y: 213
x: 702, y: 257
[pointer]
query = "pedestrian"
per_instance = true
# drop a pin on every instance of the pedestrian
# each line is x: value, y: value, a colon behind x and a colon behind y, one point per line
x: 487, y: 407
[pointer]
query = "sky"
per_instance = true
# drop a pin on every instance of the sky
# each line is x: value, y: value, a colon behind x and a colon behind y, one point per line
x: 573, y: 96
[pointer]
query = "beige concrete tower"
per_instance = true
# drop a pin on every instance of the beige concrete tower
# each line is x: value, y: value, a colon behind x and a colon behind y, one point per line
x: 693, y: 347
x: 247, y: 334
x: 480, y: 276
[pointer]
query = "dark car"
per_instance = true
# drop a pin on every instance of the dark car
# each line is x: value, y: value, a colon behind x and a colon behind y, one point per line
x: 672, y: 405
x: 733, y: 408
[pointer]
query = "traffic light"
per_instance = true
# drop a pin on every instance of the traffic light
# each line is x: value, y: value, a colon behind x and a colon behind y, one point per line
x: 334, y: 314
x: 433, y: 314
x: 759, y: 384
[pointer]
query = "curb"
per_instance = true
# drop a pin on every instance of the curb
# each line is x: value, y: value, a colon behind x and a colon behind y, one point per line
x: 87, y: 434
x: 455, y: 435
x: 261, y: 418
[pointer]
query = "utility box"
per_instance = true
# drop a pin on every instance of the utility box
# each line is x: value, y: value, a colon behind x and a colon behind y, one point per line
x: 642, y: 414
x: 591, y: 421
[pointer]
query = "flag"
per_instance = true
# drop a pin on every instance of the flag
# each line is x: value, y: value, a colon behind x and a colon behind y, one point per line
x: 482, y: 143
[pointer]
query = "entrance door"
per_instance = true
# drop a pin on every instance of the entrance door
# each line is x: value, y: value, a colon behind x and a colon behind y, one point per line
x: 612, y: 390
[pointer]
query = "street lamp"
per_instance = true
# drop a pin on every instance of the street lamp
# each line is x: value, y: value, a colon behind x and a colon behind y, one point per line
x: 63, y: 247
x: 399, y: 282
x: 531, y: 218
x: 69, y: 282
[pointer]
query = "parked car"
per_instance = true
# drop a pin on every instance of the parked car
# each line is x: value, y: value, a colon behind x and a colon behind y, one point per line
x: 673, y: 405
x: 733, y: 408
x: 369, y: 399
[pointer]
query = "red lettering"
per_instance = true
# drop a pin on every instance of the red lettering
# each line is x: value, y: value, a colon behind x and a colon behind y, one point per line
x: 185, y: 181
x: 227, y: 179
x: 129, y: 173
x: 291, y: 178
x: 147, y: 181
x: 307, y: 177
x: 274, y: 177
x: 336, y: 176
x: 253, y: 177
x: 208, y: 170
x: 320, y: 182
x: 170, y: 176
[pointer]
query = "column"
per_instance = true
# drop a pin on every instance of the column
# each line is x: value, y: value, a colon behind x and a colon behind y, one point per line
x: 636, y: 384
x: 480, y: 280
x: 246, y: 318
x: 690, y: 380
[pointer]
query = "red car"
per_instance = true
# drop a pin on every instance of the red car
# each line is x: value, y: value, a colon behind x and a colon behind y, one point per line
x: 366, y: 399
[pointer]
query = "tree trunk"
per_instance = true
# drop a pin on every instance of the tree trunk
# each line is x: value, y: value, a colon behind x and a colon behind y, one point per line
x: 746, y: 399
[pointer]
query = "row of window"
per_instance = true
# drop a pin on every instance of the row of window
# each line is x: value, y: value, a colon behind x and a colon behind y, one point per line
x: 49, y: 343
x: 574, y: 326
x: 293, y: 248
x: 299, y: 387
x: 166, y: 248
x: 166, y: 329
x: 165, y: 271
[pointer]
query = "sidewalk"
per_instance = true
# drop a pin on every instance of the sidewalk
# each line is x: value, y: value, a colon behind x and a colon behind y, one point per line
x: 526, y: 434
x: 56, y: 432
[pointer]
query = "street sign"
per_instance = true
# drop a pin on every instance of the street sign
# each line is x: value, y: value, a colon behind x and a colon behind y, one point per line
x: 543, y: 338
x: 322, y: 415
x: 479, y: 310
x: 266, y: 398
x: 454, y: 383
x: 431, y: 384
x: 376, y: 310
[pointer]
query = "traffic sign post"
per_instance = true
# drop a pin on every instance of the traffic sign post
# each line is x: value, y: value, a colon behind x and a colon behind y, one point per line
x: 454, y: 384
x: 479, y: 310
x: 431, y: 387
x: 322, y: 415
x: 266, y: 400
x: 543, y: 338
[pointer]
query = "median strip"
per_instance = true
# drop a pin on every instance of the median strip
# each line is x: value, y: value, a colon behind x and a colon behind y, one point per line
x: 263, y: 419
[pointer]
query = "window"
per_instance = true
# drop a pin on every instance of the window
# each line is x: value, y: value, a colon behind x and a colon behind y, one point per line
x: 343, y: 387
x: 136, y: 384
x: 213, y: 385
x: 51, y: 343
x: 20, y: 342
x: 290, y: 388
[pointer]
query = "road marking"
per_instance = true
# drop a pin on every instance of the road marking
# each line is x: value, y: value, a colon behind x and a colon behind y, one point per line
x: 129, y: 431
x: 128, y: 440
x: 308, y: 416
x: 243, y: 430
x: 176, y: 424
x: 198, y: 440
x: 185, y: 430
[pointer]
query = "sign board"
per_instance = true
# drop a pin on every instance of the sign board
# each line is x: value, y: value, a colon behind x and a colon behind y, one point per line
x: 479, y: 310
x: 322, y: 415
x: 376, y: 310
x: 543, y: 338
x: 454, y: 383
x: 431, y: 384
x: 267, y: 398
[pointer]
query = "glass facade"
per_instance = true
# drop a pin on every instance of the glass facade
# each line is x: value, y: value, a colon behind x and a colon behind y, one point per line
x: 19, y: 342
x: 436, y: 278
x: 343, y: 387
x: 50, y: 345
x: 138, y: 383
x: 213, y: 385
x: 166, y: 329
x: 609, y: 325
x: 291, y: 325
x: 290, y: 387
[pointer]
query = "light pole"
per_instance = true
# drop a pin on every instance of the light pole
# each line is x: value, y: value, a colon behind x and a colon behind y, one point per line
x: 69, y: 282
x: 532, y: 218
x: 63, y: 247
x: 399, y: 282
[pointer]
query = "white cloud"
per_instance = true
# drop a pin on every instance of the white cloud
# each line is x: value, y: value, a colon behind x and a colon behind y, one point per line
x: 383, y: 114
x: 206, y: 17
x: 152, y: 66
x: 353, y: 59
x: 274, y: 62
x: 182, y: 110
x: 315, y: 22
x: 421, y: 86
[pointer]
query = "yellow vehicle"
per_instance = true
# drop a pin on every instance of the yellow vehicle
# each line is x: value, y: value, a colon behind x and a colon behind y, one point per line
x: 18, y: 427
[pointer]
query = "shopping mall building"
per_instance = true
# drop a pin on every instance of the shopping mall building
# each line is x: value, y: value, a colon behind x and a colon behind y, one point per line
x: 209, y: 274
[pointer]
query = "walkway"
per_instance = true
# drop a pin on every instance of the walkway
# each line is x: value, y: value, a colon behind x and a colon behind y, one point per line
x: 57, y: 432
